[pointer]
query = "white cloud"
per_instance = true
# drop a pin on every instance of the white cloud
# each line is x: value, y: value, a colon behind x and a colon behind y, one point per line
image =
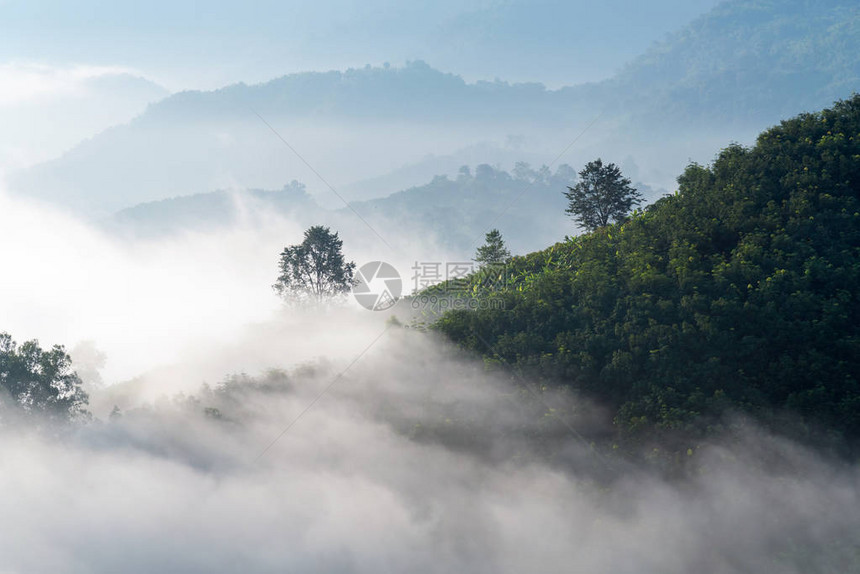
x: 24, y: 82
x: 64, y: 281
x: 46, y: 109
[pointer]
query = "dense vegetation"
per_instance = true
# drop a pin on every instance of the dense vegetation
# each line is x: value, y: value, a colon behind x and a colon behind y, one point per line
x: 38, y: 385
x: 737, y: 293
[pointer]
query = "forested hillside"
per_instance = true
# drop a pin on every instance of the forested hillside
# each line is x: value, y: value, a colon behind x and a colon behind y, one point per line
x: 738, y: 293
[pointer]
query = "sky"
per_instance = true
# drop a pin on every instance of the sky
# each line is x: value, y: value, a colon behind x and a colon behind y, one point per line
x: 186, y: 44
x: 69, y: 70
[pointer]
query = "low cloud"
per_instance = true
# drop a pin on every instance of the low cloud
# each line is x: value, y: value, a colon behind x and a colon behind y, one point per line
x: 24, y: 82
x: 46, y: 109
x: 410, y: 459
x: 374, y: 448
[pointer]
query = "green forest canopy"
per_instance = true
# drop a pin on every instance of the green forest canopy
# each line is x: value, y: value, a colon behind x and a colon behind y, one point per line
x: 739, y: 292
x: 39, y: 384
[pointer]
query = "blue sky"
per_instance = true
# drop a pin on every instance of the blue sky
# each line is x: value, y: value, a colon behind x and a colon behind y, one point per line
x: 185, y: 44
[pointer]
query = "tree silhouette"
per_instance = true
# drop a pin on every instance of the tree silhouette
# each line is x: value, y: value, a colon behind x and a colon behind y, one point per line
x: 314, y: 270
x: 493, y: 252
x: 601, y: 196
x: 39, y: 383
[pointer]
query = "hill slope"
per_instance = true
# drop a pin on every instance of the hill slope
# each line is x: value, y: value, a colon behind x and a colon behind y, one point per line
x: 737, y: 293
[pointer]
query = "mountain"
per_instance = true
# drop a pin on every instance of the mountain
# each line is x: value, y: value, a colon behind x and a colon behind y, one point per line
x: 452, y: 214
x: 746, y: 61
x: 415, y: 92
x: 730, y: 73
x: 504, y: 156
x: 349, y: 126
x: 59, y: 107
x: 527, y: 206
x: 211, y: 211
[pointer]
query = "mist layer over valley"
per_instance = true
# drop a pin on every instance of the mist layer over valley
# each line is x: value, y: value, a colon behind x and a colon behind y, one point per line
x: 413, y: 458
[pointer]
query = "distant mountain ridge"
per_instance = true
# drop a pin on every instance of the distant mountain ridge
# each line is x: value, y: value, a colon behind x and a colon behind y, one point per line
x: 527, y: 205
x: 748, y: 60
x: 744, y: 60
x: 210, y: 211
x: 64, y: 107
x: 734, y: 71
x: 415, y: 91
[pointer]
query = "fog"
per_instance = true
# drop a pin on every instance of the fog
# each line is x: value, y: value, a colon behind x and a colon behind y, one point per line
x: 65, y: 282
x: 410, y: 459
x: 366, y: 132
x: 336, y: 441
x: 47, y: 109
x: 150, y: 302
x: 155, y: 160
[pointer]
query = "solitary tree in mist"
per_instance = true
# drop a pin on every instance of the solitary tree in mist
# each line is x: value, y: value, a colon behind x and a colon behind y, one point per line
x: 493, y: 251
x: 314, y: 270
x: 39, y: 384
x: 601, y: 196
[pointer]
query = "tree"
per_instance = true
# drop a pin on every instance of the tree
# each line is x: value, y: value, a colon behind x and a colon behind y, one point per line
x: 524, y: 172
x: 493, y: 252
x: 314, y: 270
x: 39, y: 383
x: 601, y: 196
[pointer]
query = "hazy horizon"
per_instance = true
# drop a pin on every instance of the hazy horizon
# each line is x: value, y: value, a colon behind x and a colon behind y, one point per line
x: 225, y: 44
